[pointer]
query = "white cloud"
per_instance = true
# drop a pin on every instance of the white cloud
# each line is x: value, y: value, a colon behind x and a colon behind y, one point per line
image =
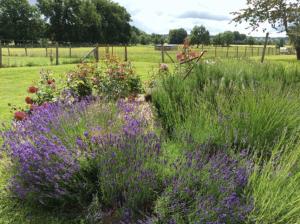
x: 159, y: 16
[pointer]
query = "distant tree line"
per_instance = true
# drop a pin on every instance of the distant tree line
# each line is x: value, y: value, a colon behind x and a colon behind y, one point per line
x: 95, y: 21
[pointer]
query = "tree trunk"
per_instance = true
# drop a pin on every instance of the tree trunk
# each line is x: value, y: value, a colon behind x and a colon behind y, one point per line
x: 298, y: 52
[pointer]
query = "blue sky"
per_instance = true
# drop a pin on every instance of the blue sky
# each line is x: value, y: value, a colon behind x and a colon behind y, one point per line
x: 158, y: 16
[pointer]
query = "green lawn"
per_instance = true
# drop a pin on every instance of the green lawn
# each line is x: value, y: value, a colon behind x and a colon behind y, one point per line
x: 14, y: 82
x: 16, y: 57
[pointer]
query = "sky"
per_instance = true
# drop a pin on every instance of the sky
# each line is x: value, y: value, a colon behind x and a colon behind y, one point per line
x: 159, y: 16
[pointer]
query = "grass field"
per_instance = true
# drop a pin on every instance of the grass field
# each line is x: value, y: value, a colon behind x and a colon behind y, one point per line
x: 15, y: 81
x: 17, y: 57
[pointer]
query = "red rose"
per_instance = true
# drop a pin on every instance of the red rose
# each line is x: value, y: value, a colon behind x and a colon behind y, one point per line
x: 32, y: 89
x: 28, y: 100
x: 51, y: 81
x: 20, y: 115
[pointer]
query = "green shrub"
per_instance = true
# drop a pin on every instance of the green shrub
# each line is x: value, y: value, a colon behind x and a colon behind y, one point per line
x: 117, y: 80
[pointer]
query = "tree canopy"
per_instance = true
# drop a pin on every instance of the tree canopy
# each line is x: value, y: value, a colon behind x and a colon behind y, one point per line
x: 199, y: 35
x: 86, y: 21
x: 20, y: 21
x: 282, y: 15
x: 177, y: 36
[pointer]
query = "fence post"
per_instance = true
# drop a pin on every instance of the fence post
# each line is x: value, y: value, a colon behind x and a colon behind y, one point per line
x: 112, y: 50
x: 265, y: 46
x: 162, y: 53
x: 227, y: 52
x: 46, y: 51
x: 26, y: 54
x: 70, y: 51
x: 107, y: 51
x: 97, y: 53
x: 1, y: 54
x: 56, y: 54
x: 245, y: 52
x: 252, y: 51
x: 237, y: 51
x: 8, y: 51
x: 215, y: 51
x: 126, y: 53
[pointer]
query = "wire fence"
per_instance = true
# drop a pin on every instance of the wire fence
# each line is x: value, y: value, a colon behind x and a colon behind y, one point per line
x: 38, y: 55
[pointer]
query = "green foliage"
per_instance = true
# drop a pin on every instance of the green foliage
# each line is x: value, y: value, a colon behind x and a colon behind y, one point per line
x: 118, y: 80
x: 228, y: 37
x: 274, y: 186
x: 47, y: 89
x: 177, y: 36
x: 282, y: 15
x: 79, y: 82
x: 199, y: 35
x: 20, y: 21
x: 86, y: 21
x: 224, y: 103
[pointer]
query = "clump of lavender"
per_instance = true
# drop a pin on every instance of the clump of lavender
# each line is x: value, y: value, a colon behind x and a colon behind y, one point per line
x: 87, y: 153
x: 42, y: 165
x: 127, y: 162
x: 206, y: 189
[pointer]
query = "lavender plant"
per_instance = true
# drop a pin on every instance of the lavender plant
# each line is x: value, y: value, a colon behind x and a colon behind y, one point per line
x: 70, y: 156
x: 206, y: 189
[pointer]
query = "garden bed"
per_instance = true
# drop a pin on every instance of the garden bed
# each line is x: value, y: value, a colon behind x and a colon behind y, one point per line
x: 221, y: 146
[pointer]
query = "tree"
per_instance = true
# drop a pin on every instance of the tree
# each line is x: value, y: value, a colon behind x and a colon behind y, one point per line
x: 218, y: 39
x: 177, y: 36
x: 239, y: 38
x: 224, y: 39
x: 250, y: 40
x: 199, y: 35
x: 157, y: 38
x: 115, y: 21
x: 228, y: 38
x: 20, y: 21
x: 283, y: 15
x: 145, y: 39
x: 100, y: 21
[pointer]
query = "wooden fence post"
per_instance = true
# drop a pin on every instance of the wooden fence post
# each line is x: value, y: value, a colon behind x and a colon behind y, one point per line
x: 265, y: 46
x: 26, y: 53
x: 107, y: 51
x: 8, y: 51
x: 46, y: 51
x: 70, y: 51
x: 56, y: 54
x: 162, y: 52
x: 252, y: 51
x: 126, y: 53
x: 245, y: 52
x: 237, y: 51
x: 97, y: 53
x: 227, y: 53
x: 215, y: 51
x: 1, y: 54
